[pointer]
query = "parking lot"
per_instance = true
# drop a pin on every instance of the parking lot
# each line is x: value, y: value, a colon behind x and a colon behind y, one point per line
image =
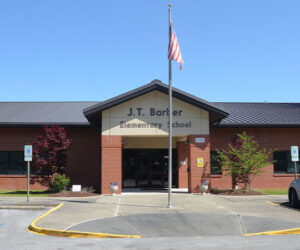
x: 201, y: 221
x: 191, y: 215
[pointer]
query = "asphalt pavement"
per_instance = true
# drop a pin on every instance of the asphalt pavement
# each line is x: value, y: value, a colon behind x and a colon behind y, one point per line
x: 13, y: 235
x: 146, y: 214
x: 194, y: 222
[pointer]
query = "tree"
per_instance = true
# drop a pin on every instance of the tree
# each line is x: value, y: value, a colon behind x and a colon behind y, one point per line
x: 49, y: 154
x: 244, y: 160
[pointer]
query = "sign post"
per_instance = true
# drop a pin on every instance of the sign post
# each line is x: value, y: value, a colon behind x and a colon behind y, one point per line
x: 28, y: 158
x: 295, y: 157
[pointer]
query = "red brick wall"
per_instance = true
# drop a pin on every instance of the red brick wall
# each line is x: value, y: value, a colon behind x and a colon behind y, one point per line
x: 198, y: 150
x: 83, y: 162
x: 111, y: 167
x: 84, y: 158
x: 182, y: 155
x: 272, y: 138
x: 14, y: 140
x: 17, y: 182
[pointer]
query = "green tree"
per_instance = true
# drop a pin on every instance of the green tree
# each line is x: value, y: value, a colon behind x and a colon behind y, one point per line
x: 244, y: 160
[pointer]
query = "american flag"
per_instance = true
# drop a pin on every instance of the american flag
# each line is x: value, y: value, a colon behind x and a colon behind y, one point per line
x: 174, y: 50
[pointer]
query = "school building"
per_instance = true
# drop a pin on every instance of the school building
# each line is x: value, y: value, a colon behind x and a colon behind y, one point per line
x: 125, y: 139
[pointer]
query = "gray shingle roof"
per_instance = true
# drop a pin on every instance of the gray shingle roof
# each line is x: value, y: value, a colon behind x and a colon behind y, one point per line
x: 71, y: 113
x: 260, y: 114
x: 41, y: 113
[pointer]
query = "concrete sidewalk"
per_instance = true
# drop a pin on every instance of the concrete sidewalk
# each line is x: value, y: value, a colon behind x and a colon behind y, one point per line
x: 147, y: 214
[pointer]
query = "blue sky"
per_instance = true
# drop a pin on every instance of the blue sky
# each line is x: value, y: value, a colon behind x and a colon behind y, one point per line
x: 69, y: 50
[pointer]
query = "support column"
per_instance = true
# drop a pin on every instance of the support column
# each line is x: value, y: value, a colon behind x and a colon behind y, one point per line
x: 182, y: 155
x: 198, y: 149
x: 111, y: 165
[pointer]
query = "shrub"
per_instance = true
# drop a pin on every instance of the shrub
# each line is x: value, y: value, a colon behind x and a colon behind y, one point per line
x: 88, y: 189
x: 60, y: 183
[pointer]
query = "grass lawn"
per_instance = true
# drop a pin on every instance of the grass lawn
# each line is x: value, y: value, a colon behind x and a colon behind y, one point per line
x: 20, y: 193
x: 273, y: 191
x: 266, y: 191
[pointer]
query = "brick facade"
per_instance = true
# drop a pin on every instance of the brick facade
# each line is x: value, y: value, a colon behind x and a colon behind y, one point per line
x: 182, y: 156
x: 197, y: 175
x: 111, y: 166
x: 86, y: 156
x: 82, y: 163
x: 271, y: 138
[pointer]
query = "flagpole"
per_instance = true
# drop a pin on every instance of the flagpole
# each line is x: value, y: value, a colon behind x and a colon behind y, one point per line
x: 170, y: 122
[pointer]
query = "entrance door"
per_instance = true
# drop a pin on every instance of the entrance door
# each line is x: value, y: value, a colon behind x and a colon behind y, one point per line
x: 148, y: 168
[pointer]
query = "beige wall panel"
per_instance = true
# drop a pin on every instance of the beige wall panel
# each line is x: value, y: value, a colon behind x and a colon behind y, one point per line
x: 105, y: 126
x: 106, y: 113
x: 144, y: 102
x: 204, y: 113
x: 148, y: 115
x: 141, y: 126
x: 183, y: 126
x: 162, y: 101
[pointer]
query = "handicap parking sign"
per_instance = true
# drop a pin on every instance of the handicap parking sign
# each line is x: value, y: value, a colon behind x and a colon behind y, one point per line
x: 295, y: 153
x: 28, y: 153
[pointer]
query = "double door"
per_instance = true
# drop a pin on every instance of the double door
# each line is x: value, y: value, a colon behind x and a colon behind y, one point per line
x: 147, y: 168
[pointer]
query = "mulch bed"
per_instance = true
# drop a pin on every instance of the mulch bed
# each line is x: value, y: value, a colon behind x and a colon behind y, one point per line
x: 236, y: 192
x: 73, y: 194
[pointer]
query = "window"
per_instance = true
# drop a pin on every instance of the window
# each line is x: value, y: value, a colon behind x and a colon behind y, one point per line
x: 12, y: 162
x: 215, y: 167
x: 283, y: 162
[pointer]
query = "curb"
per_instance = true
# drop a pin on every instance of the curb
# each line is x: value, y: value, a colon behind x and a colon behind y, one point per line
x: 22, y: 207
x: 71, y: 234
x: 277, y: 232
x: 27, y: 206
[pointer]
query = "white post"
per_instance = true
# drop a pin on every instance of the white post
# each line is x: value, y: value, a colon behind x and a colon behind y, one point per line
x: 170, y: 122
x: 28, y: 177
x: 28, y: 158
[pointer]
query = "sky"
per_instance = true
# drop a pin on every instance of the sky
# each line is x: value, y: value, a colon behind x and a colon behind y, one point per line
x: 93, y: 50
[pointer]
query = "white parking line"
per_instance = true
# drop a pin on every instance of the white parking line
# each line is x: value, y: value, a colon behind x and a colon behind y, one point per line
x: 118, y: 205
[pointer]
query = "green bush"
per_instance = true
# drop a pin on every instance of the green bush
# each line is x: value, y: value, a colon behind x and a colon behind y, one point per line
x: 60, y: 183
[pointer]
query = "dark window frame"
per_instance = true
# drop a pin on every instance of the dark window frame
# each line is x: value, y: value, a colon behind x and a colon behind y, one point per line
x: 14, y: 163
x: 215, y: 167
x: 283, y: 163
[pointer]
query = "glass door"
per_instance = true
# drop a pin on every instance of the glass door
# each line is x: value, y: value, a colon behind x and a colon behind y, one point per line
x: 148, y: 168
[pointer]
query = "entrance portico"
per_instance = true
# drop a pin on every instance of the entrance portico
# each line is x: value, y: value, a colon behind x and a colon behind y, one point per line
x: 134, y: 130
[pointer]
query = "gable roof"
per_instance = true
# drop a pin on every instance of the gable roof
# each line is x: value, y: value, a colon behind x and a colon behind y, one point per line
x: 215, y: 113
x: 241, y: 114
x: 245, y: 114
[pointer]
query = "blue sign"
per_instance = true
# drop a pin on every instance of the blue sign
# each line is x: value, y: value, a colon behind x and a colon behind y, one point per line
x: 28, y: 153
x: 295, y: 153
